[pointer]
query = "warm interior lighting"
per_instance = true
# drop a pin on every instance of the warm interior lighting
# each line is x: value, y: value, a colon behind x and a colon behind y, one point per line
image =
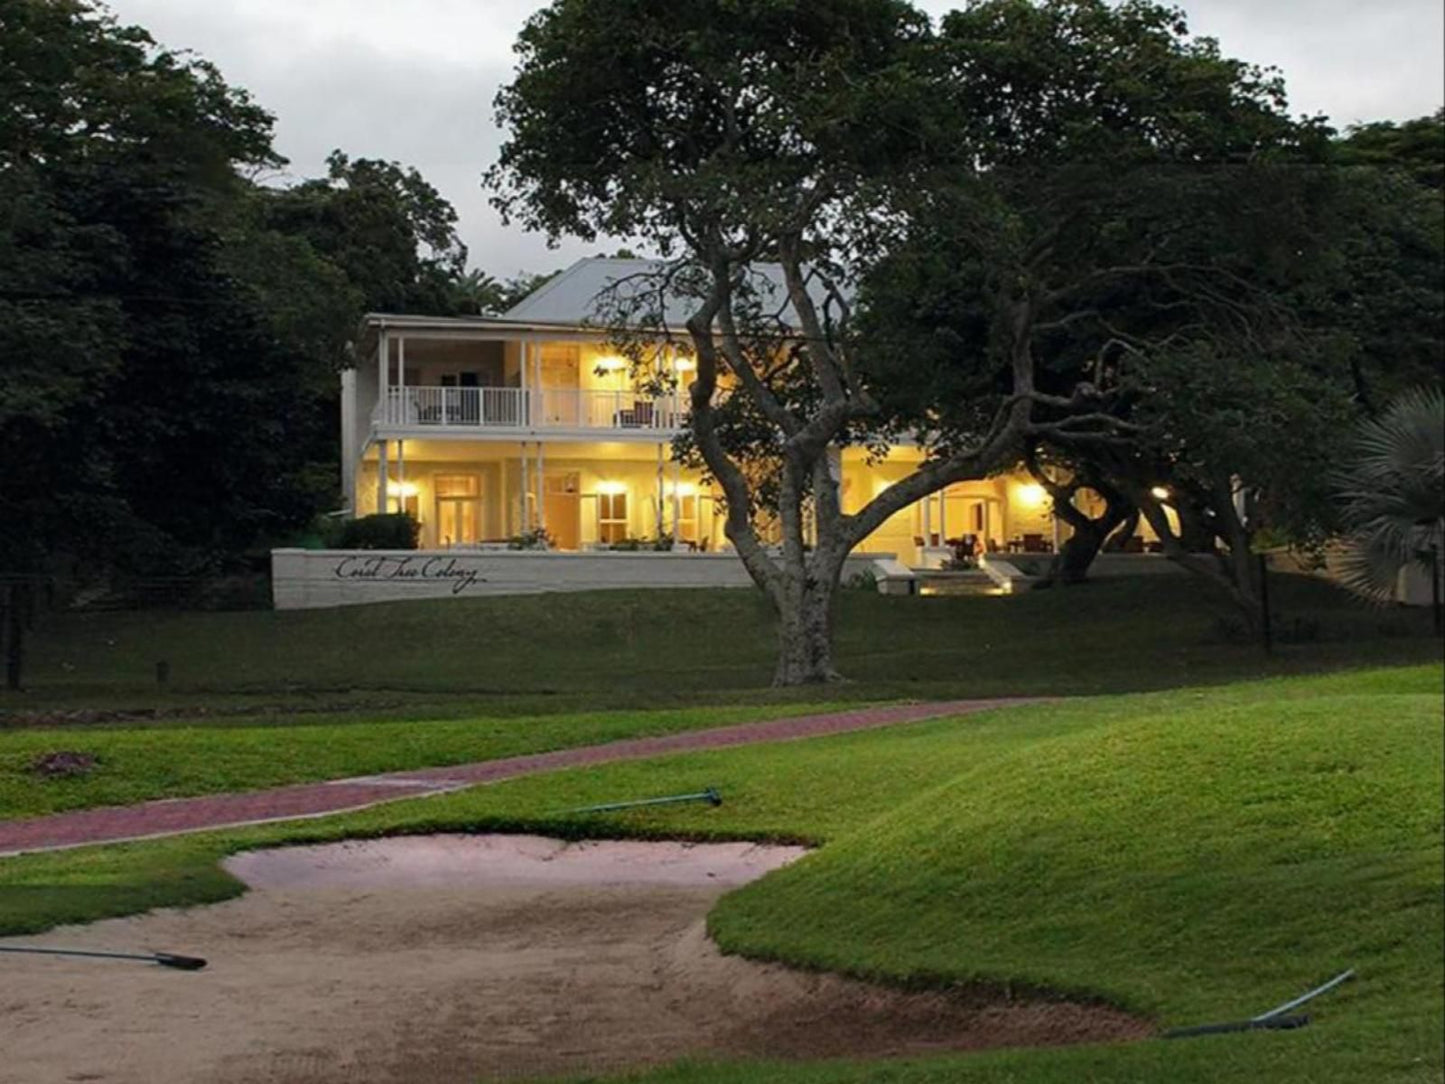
x: 403, y: 489
x: 682, y: 489
x: 1160, y: 493
x: 610, y: 363
x: 684, y: 365
x: 609, y: 489
x: 1031, y: 493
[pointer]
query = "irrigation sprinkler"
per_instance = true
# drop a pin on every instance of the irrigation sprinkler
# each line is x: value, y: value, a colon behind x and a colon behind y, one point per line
x: 710, y: 796
x: 165, y: 959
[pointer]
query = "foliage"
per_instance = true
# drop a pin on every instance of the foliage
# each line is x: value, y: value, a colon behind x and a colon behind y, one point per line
x: 1415, y: 147
x: 384, y: 227
x: 170, y: 329
x: 1393, y: 489
x: 380, y: 531
x: 537, y: 538
x: 1033, y: 197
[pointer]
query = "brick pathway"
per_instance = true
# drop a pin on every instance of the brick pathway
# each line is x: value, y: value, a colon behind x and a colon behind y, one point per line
x: 177, y: 815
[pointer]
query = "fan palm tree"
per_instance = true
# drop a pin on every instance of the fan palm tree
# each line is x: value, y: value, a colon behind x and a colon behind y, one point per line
x: 1393, y: 489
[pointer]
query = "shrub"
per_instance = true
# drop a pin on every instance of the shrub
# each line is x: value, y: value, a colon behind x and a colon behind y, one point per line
x: 535, y: 539
x: 394, y: 531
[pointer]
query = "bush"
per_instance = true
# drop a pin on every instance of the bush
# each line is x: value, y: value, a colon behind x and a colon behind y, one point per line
x: 394, y: 531
x: 536, y: 539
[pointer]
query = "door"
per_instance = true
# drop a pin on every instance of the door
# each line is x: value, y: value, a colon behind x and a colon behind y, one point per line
x: 459, y: 509
x: 561, y: 403
x: 562, y: 509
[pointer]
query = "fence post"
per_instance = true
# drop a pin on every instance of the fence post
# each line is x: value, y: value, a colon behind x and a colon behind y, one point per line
x: 1438, y: 617
x: 15, y: 645
x: 1265, y: 631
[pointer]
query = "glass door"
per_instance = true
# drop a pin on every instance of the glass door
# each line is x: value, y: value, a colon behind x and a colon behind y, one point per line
x: 459, y: 506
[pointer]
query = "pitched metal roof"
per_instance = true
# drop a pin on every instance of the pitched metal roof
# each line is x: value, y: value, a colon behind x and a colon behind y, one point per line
x: 579, y: 295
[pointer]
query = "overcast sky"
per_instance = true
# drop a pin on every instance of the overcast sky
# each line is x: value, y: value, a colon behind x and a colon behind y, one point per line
x: 413, y: 80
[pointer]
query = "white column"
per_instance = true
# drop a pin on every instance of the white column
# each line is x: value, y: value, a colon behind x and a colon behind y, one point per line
x: 943, y: 517
x: 382, y: 481
x: 659, y: 491
x: 524, y: 363
x: 676, y: 501
x: 401, y: 471
x: 526, y: 490
x: 383, y: 376
x: 541, y: 485
x: 927, y: 521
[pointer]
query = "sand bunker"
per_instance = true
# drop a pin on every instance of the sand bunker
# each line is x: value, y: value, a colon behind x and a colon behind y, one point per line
x: 465, y: 958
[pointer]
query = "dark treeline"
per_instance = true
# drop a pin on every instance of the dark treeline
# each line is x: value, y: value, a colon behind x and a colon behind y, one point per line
x: 171, y: 327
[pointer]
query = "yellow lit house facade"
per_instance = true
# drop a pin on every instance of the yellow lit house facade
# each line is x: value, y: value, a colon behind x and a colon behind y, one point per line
x: 487, y: 428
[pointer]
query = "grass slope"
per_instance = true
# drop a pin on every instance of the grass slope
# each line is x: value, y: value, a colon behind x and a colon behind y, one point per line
x: 588, y: 651
x: 418, y: 684
x: 1197, y: 855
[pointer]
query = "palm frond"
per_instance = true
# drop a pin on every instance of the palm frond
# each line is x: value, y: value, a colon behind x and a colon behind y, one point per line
x: 1393, y: 494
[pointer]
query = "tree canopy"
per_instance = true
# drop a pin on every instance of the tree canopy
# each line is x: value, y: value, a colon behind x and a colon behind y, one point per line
x: 1001, y: 187
x: 170, y: 329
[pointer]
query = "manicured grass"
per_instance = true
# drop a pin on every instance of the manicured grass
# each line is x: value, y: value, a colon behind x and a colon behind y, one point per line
x: 135, y: 764
x: 1195, y: 855
x: 580, y: 652
x: 419, y: 684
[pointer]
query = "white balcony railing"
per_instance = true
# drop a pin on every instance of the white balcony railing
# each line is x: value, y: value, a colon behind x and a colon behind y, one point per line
x: 514, y: 408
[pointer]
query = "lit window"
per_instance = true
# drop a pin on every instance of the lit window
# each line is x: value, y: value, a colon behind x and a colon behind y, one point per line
x: 458, y: 508
x: 611, y: 517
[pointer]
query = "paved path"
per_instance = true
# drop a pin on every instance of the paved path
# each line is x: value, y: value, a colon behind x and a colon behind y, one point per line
x: 177, y: 815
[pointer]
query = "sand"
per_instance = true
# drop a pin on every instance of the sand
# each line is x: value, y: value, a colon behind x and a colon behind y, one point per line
x: 465, y: 958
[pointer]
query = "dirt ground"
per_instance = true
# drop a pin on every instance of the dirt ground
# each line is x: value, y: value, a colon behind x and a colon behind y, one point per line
x: 465, y: 958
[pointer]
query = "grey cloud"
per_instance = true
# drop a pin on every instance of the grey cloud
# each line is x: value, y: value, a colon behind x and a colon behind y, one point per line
x: 413, y: 80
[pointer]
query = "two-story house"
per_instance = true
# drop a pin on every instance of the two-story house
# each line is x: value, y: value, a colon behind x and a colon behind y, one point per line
x: 484, y: 428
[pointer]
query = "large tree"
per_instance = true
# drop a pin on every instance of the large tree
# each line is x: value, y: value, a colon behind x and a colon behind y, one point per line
x: 386, y: 227
x: 1145, y: 198
x: 170, y: 330
x: 737, y: 135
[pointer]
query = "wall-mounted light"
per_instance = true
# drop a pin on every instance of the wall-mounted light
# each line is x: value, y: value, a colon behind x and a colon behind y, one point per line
x: 1032, y: 494
x: 684, y: 365
x: 1160, y: 493
x: 403, y: 489
x: 682, y: 489
x: 610, y: 363
x: 609, y: 489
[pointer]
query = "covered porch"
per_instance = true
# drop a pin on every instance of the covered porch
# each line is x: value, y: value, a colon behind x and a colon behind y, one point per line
x: 584, y: 495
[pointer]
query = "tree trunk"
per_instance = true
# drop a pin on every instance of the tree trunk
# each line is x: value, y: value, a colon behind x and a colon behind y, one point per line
x: 1234, y: 572
x: 1071, y: 564
x: 805, y: 636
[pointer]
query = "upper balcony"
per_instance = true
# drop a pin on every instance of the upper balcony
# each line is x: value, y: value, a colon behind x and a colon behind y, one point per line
x: 481, y: 411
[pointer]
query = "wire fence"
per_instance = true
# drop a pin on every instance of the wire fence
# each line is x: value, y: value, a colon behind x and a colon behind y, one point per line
x: 26, y: 598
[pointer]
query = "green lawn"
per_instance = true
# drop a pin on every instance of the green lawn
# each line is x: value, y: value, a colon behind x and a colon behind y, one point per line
x: 1195, y: 855
x: 417, y: 684
x: 136, y: 764
x: 575, y: 652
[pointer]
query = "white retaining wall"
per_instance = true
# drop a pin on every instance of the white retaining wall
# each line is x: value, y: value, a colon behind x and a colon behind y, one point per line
x: 316, y: 579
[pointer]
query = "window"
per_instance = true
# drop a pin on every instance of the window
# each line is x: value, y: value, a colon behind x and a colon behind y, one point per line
x: 459, y: 508
x: 611, y: 517
x: 687, y: 518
